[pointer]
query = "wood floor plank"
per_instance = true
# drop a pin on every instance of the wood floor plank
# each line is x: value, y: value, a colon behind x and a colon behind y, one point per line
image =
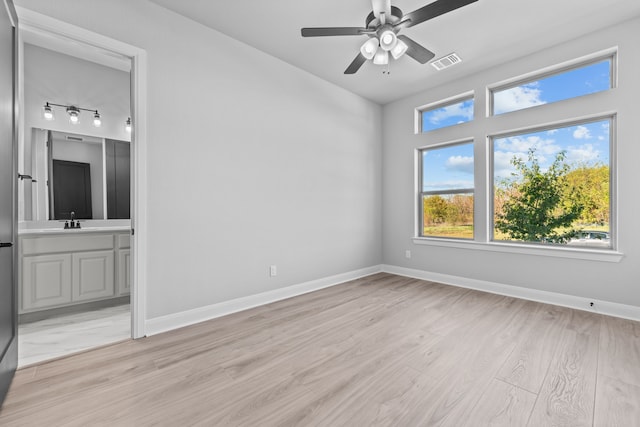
x: 568, y: 392
x: 527, y: 366
x: 617, y: 403
x: 381, y: 350
x: 620, y: 350
x: 502, y: 404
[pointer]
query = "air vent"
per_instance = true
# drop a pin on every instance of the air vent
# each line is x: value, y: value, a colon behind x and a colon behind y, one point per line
x: 75, y: 138
x: 446, y: 61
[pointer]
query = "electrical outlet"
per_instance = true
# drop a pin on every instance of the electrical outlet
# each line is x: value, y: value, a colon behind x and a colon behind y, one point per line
x: 273, y: 271
x: 407, y: 254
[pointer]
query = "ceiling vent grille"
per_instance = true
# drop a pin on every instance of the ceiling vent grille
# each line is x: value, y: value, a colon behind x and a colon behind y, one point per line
x: 446, y: 61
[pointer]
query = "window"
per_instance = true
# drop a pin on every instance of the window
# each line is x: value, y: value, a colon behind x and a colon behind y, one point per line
x: 446, y: 191
x: 583, y: 80
x: 552, y: 186
x: 446, y: 113
x: 546, y: 179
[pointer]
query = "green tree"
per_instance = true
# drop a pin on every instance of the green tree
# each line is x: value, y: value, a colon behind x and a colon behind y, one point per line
x: 591, y: 185
x: 539, y: 207
x: 436, y: 210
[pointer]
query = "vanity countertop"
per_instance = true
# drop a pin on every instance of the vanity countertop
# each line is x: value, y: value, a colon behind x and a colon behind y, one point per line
x: 85, y: 230
x: 39, y: 228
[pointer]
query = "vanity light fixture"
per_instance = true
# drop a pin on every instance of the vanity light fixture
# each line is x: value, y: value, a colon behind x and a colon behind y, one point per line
x: 72, y: 111
x: 127, y: 125
x: 47, y: 112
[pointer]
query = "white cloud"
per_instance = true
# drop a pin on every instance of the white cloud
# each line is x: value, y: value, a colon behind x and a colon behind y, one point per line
x: 455, y: 110
x: 582, y: 154
x: 460, y: 163
x: 582, y: 132
x: 518, y: 144
x: 517, y: 98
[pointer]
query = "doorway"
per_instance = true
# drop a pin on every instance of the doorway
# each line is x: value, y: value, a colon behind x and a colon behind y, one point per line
x: 94, y: 43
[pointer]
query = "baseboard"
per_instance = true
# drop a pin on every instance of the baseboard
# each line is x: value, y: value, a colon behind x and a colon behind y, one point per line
x: 201, y: 314
x: 602, y: 307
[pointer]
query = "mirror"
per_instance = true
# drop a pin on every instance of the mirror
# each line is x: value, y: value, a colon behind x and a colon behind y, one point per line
x: 87, y: 175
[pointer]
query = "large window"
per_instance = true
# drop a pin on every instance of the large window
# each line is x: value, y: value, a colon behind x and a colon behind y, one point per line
x: 547, y: 179
x: 552, y: 186
x: 447, y: 187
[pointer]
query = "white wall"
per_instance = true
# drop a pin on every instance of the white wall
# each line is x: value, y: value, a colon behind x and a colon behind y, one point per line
x: 251, y: 162
x: 605, y: 281
x: 62, y: 79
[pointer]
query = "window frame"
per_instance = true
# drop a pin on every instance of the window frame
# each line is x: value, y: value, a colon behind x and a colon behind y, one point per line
x: 610, y: 55
x: 611, y: 118
x: 421, y: 193
x: 442, y: 103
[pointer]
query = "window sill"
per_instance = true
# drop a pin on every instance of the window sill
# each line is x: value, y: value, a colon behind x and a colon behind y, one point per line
x: 516, y: 248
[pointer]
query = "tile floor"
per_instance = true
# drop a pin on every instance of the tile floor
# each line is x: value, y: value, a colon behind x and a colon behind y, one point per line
x: 62, y: 335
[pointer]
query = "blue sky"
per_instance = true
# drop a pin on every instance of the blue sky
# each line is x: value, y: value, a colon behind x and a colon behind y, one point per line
x: 585, y: 144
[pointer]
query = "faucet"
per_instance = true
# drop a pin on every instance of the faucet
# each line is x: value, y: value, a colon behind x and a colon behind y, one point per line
x: 73, y: 224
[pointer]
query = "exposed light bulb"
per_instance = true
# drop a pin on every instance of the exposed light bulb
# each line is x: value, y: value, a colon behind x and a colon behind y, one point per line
x: 381, y: 57
x: 369, y: 48
x: 399, y: 49
x: 74, y: 115
x: 47, y: 112
x: 127, y: 125
x: 388, y: 40
x: 96, y: 119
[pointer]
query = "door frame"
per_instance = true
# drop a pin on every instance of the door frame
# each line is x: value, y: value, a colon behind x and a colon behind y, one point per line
x: 66, y: 32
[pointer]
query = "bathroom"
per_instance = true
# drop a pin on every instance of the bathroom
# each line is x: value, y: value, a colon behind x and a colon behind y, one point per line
x: 74, y: 194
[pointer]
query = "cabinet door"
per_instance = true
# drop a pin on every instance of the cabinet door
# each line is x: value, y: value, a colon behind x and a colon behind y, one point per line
x: 46, y: 281
x: 92, y: 275
x: 124, y: 271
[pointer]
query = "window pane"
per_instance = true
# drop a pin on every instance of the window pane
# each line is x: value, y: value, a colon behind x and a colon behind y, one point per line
x: 448, y: 115
x: 448, y: 215
x: 552, y: 186
x: 569, y: 84
x: 447, y: 168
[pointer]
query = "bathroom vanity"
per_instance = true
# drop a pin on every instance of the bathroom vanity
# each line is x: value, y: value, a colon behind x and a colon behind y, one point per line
x: 60, y: 268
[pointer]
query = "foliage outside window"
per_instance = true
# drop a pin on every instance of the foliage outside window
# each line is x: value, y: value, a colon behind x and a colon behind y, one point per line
x: 446, y: 114
x: 583, y: 80
x: 553, y: 186
x: 447, y: 191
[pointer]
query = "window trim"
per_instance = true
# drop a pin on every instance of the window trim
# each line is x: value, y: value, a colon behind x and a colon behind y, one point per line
x: 462, y: 97
x: 420, y: 193
x: 574, y: 64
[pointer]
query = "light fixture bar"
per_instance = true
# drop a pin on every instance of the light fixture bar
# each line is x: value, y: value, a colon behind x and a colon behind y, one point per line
x: 73, y: 112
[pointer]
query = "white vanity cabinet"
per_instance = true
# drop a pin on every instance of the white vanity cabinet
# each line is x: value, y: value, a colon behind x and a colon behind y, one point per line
x: 71, y: 268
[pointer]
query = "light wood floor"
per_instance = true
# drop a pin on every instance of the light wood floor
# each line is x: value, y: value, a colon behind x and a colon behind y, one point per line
x: 382, y: 350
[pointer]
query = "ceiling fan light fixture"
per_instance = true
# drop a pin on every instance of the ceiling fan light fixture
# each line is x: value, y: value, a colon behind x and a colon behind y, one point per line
x: 388, y: 40
x: 399, y: 49
x: 369, y: 48
x: 381, y: 57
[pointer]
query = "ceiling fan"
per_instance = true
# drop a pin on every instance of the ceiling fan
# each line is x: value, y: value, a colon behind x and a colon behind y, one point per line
x: 382, y: 26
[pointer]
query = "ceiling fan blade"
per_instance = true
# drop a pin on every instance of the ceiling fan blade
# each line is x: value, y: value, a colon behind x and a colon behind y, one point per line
x: 432, y: 10
x: 381, y: 6
x: 333, y: 31
x: 417, y: 51
x: 356, y: 64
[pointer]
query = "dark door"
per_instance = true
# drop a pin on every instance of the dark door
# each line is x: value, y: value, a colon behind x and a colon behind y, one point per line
x: 118, y: 165
x: 71, y: 189
x: 8, y: 194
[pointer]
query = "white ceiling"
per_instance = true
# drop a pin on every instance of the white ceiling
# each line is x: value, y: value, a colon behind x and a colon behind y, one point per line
x: 483, y: 34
